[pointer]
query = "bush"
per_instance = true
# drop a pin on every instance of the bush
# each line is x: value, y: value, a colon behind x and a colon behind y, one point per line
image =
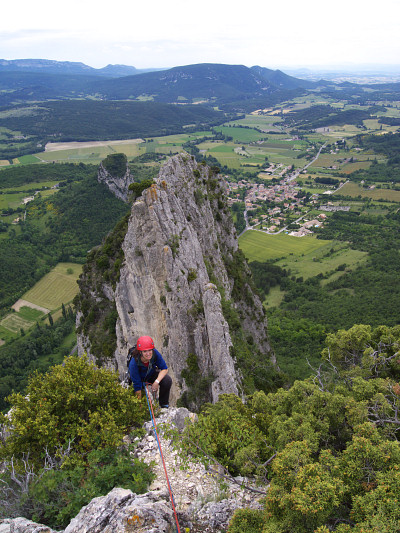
x: 247, y: 521
x: 75, y: 403
x: 59, y: 495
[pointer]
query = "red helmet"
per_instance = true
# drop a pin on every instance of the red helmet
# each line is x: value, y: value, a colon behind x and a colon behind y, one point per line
x: 145, y: 343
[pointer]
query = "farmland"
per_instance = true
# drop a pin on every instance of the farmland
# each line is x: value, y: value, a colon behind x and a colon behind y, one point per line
x: 354, y: 190
x: 57, y: 287
x: 259, y: 246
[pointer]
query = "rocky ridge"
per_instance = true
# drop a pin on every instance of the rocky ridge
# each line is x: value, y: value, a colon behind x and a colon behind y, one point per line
x: 202, y: 502
x: 181, y: 258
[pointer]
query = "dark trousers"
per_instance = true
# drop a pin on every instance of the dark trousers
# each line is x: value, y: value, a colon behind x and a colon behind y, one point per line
x: 165, y: 387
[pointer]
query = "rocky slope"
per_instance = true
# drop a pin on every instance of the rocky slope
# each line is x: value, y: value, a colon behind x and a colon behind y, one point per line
x: 118, y: 185
x: 203, y: 504
x: 184, y: 282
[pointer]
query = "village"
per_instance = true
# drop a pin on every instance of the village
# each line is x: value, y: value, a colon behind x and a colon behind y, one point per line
x: 278, y: 207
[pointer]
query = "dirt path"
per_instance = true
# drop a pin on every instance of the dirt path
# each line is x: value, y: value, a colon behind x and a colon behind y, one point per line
x: 24, y: 303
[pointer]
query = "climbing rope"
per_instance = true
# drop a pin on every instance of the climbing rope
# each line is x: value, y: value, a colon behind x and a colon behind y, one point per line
x: 150, y: 405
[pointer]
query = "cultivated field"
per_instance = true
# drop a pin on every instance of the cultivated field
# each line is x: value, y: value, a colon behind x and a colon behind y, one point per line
x: 57, y: 287
x: 259, y: 246
x: 322, y: 261
x: 354, y: 190
x: 15, y: 323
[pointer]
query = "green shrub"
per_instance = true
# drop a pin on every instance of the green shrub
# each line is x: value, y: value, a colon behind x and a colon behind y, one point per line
x: 76, y: 403
x: 116, y: 164
x: 59, y: 495
x: 246, y: 521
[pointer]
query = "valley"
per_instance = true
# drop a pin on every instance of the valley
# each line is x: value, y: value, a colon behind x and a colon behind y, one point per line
x: 310, y: 173
x: 290, y: 168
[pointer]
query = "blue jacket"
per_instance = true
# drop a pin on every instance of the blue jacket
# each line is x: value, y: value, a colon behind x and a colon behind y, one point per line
x: 140, y: 373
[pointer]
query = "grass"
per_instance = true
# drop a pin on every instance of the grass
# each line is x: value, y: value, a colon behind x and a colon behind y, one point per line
x: 259, y: 246
x: 241, y: 135
x: 11, y: 201
x: 354, y: 190
x: 358, y: 165
x: 274, y: 297
x: 32, y: 186
x: 55, y: 288
x: 14, y: 322
x: 323, y: 261
x: 28, y: 159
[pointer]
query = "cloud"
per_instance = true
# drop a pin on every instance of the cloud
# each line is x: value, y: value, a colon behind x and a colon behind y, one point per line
x: 163, y: 34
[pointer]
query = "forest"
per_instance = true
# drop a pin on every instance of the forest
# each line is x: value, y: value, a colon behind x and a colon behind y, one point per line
x: 62, y: 227
x: 80, y: 120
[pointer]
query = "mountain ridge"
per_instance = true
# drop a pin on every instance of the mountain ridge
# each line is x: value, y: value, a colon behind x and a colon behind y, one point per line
x: 68, y: 67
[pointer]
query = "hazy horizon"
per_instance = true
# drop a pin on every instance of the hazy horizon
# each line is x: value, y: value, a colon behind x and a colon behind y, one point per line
x: 282, y: 35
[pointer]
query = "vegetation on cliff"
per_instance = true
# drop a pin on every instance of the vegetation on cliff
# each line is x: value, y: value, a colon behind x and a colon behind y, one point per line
x: 99, y: 314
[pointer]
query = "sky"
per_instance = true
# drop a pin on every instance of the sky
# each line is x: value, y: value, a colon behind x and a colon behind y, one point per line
x: 168, y: 33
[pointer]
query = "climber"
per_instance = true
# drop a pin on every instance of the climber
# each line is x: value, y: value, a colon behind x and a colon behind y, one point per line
x: 148, y: 366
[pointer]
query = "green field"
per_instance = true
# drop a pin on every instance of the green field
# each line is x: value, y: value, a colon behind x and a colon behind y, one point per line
x: 11, y: 200
x: 28, y: 159
x: 241, y: 135
x: 274, y: 297
x: 57, y: 287
x: 15, y: 322
x: 78, y: 152
x: 32, y: 186
x: 354, y: 189
x: 324, y: 261
x: 259, y: 246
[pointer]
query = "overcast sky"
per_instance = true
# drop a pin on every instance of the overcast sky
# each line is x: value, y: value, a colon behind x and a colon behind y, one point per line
x: 167, y: 33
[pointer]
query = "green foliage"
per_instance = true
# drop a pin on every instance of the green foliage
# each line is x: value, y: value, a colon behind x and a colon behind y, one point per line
x: 88, y: 120
x: 37, y: 349
x: 192, y: 275
x: 247, y: 521
x: 74, y: 404
x: 198, y: 385
x: 116, y: 165
x: 60, y: 494
x: 138, y: 188
x: 99, y: 314
x: 266, y: 275
x: 173, y: 243
x: 62, y: 227
x: 363, y: 351
x: 329, y: 444
x: 367, y: 294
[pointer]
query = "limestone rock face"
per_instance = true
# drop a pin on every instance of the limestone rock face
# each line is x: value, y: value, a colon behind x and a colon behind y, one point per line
x: 22, y: 525
x: 117, y: 185
x: 181, y: 254
x: 123, y: 511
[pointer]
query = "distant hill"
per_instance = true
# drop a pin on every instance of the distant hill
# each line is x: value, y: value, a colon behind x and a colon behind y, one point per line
x: 216, y: 84
x: 208, y: 81
x: 233, y: 88
x: 49, y: 66
x: 281, y: 80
